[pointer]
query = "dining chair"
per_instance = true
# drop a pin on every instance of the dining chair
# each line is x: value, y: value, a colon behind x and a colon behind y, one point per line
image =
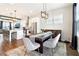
x: 29, y: 45
x: 52, y: 42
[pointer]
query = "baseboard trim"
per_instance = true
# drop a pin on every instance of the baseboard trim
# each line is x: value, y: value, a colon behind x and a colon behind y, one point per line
x: 65, y: 41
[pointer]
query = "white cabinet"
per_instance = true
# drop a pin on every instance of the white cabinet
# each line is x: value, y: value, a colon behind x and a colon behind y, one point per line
x: 15, y: 34
x: 19, y: 34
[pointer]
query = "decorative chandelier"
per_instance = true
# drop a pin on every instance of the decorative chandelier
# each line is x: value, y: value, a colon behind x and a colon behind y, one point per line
x: 44, y: 13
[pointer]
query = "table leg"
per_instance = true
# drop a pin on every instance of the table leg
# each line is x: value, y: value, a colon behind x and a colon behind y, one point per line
x: 41, y: 44
x: 41, y: 48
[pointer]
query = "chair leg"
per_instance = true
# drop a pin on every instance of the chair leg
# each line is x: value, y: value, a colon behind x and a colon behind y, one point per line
x: 38, y: 49
x: 27, y: 53
x: 52, y: 50
x: 57, y: 44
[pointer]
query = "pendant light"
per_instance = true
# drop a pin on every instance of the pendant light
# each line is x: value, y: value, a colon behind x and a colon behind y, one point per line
x: 44, y: 13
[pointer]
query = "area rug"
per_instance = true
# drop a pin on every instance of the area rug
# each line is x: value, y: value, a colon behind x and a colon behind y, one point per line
x: 60, y: 50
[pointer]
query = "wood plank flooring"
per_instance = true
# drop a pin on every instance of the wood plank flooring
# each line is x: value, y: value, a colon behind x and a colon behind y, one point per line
x: 70, y: 51
x: 6, y: 46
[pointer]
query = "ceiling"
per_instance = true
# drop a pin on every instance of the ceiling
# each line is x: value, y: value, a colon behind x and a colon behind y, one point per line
x: 29, y: 9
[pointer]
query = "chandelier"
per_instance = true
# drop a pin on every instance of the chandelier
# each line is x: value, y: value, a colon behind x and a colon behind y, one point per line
x: 44, y: 13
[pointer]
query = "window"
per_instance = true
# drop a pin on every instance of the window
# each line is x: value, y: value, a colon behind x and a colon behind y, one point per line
x: 6, y: 25
x: 58, y: 19
x: 77, y: 18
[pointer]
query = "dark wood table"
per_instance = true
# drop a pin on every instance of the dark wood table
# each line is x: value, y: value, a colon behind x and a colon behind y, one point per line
x: 41, y: 40
x: 55, y: 32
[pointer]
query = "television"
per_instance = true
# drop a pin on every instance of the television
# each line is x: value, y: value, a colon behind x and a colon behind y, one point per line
x: 17, y: 25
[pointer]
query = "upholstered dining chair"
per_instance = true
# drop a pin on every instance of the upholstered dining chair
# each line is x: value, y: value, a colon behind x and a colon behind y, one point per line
x: 29, y: 45
x: 52, y: 42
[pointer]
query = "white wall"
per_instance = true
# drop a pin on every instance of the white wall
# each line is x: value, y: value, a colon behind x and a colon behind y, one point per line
x: 66, y: 27
x: 37, y: 20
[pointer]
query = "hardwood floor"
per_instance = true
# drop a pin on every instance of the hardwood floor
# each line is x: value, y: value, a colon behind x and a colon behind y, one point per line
x: 6, y: 46
x: 70, y: 51
x: 14, y: 44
